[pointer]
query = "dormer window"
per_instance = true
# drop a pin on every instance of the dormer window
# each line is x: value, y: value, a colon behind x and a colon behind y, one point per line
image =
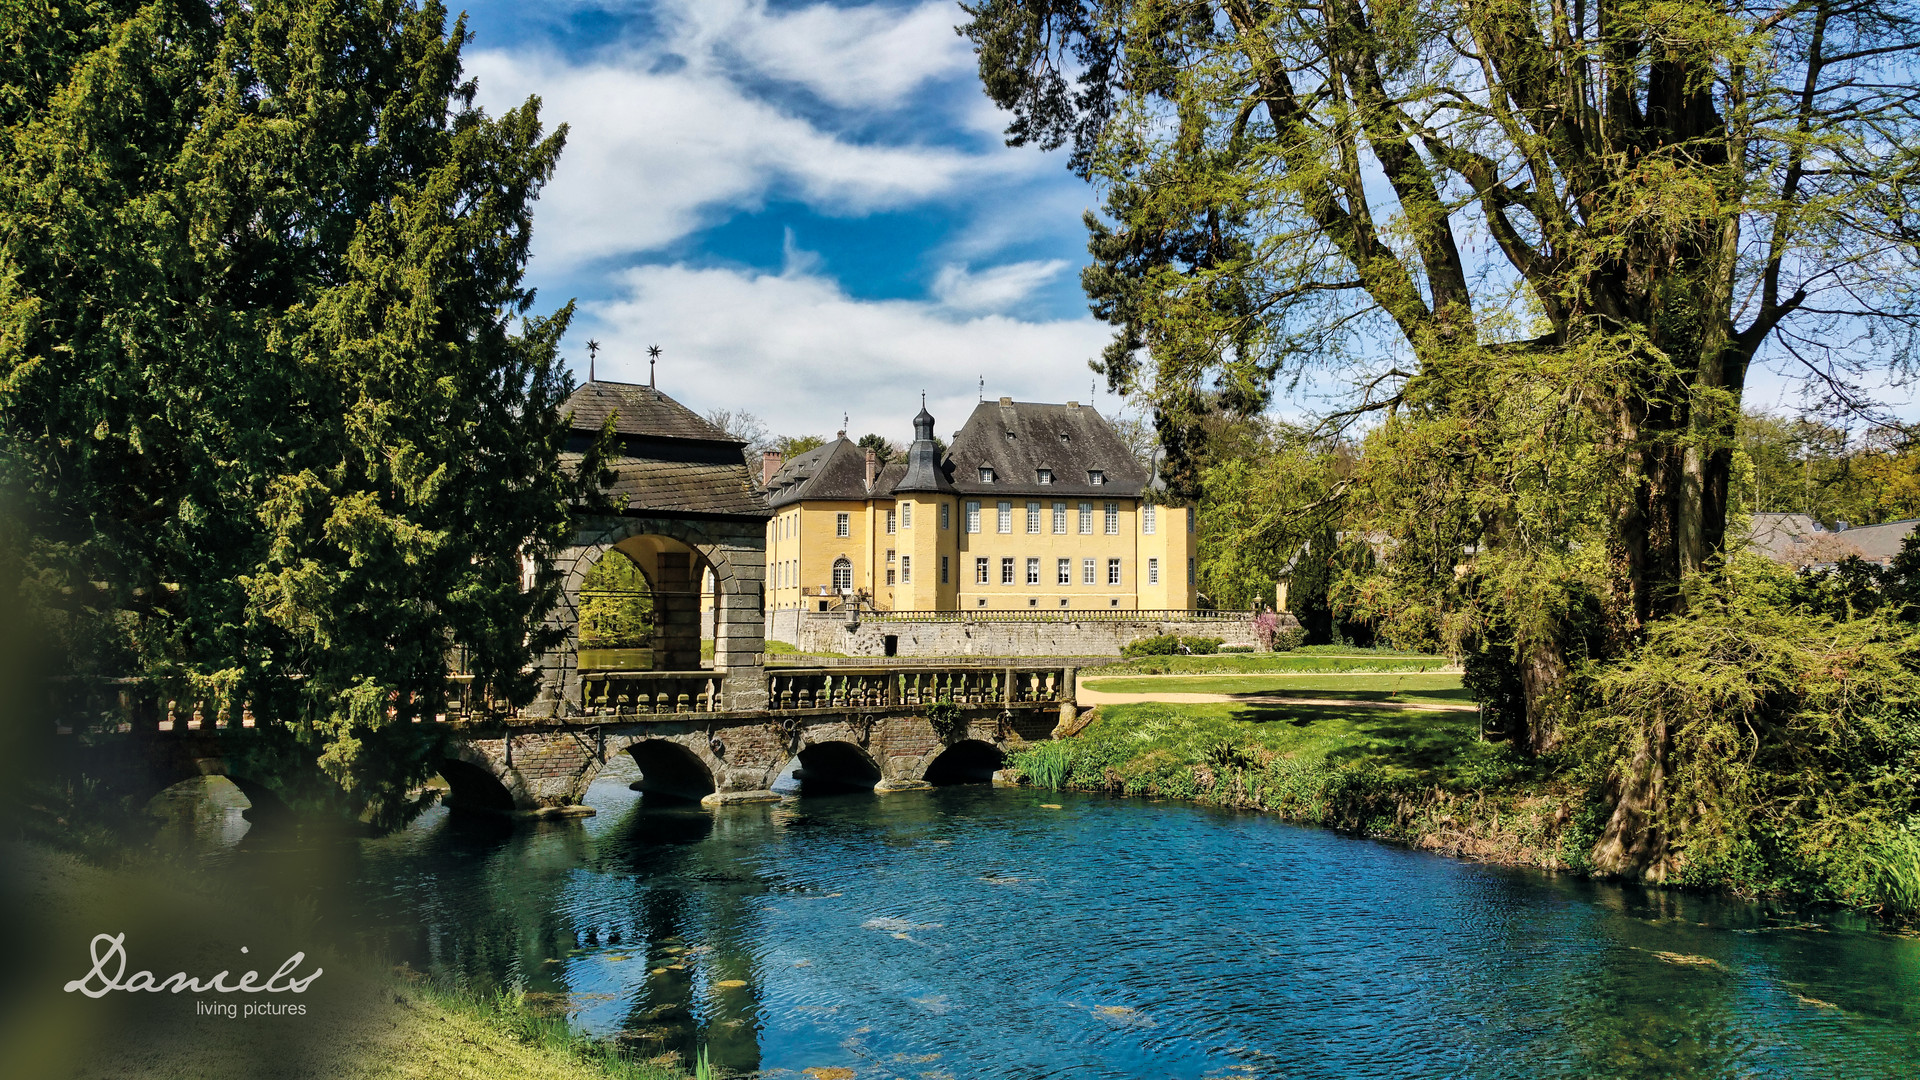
x: 1046, y: 476
x: 1096, y: 477
x: 986, y: 474
x: 1065, y: 438
x: 1009, y: 436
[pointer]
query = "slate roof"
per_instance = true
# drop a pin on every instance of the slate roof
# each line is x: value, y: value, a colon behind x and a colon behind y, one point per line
x: 670, y: 460
x: 834, y: 470
x: 642, y: 411
x: 1800, y: 540
x: 1036, y: 443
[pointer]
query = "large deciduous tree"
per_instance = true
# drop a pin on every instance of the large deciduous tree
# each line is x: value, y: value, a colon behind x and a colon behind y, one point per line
x: 271, y: 394
x: 1556, y: 235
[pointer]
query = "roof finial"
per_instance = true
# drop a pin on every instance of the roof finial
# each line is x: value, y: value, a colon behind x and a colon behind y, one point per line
x: 983, y: 388
x: 653, y: 357
x: 593, y: 350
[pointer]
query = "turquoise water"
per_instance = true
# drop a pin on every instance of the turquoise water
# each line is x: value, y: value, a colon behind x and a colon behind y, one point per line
x: 973, y: 932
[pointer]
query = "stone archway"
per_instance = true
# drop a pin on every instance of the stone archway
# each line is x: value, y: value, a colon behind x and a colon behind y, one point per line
x: 733, y: 550
x: 669, y: 767
x: 475, y: 782
x: 969, y: 761
x: 836, y: 765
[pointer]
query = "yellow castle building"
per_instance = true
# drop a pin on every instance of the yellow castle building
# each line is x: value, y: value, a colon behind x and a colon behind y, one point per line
x: 1035, y: 507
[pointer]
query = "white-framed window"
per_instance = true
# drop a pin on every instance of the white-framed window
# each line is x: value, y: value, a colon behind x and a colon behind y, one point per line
x: 906, y: 515
x: 986, y: 474
x: 1046, y: 476
x: 1006, y: 570
x: 1147, y: 517
x: 1153, y: 571
x: 1063, y: 573
x: 980, y: 571
x: 1113, y: 571
x: 1087, y: 572
x: 973, y: 515
x: 841, y: 526
x: 842, y: 574
x: 1113, y: 519
x: 946, y: 570
x: 891, y: 518
x: 1096, y: 477
x: 1033, y: 518
x: 946, y: 516
x: 1005, y: 522
x: 1033, y: 571
x: 889, y: 575
x: 906, y: 569
x: 1060, y: 517
x: 1086, y: 519
x: 889, y: 556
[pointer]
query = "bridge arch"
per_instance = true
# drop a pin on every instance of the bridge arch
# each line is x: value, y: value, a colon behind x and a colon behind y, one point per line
x: 969, y: 761
x: 476, y: 782
x: 669, y: 768
x: 835, y: 765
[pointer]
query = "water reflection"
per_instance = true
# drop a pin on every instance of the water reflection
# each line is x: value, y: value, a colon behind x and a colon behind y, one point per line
x: 972, y: 932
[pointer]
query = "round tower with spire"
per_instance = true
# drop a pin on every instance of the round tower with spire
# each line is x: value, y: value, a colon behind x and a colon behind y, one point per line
x: 925, y: 499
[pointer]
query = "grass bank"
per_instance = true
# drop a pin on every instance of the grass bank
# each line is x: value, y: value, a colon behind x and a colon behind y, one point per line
x: 358, y: 1020
x: 1426, y: 687
x: 1422, y: 778
x: 1299, y: 660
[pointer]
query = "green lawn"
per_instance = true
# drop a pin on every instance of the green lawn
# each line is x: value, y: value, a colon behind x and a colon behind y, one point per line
x: 1352, y: 660
x: 1432, y: 688
x: 1153, y: 738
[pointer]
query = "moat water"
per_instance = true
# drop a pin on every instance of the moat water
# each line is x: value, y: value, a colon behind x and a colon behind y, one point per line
x: 981, y: 932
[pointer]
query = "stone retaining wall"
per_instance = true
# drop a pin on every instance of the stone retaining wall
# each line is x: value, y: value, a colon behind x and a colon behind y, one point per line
x: 1038, y: 637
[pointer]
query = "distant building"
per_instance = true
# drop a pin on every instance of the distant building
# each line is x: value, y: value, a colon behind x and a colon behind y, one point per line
x: 1036, y: 507
x: 1800, y: 541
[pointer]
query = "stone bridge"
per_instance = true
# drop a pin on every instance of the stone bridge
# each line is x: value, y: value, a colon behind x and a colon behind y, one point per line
x: 872, y: 728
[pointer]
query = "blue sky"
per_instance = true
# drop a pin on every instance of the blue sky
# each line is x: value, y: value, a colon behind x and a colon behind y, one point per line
x: 809, y: 207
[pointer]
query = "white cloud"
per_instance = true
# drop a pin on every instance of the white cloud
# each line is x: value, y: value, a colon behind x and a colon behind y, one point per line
x: 651, y: 156
x: 996, y: 289
x: 673, y: 132
x: 865, y: 57
x: 799, y: 352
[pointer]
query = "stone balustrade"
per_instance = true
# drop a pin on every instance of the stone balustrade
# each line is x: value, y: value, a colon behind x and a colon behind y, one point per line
x: 792, y: 689
x: 635, y: 693
x: 129, y: 705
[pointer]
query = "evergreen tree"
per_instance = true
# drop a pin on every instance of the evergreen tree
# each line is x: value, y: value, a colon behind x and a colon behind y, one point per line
x: 272, y: 395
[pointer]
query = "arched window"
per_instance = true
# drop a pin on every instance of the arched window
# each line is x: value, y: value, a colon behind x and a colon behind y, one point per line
x: 842, y: 576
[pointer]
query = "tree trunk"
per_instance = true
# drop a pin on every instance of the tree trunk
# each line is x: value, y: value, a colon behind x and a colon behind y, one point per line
x: 1543, y: 674
x: 1633, y: 843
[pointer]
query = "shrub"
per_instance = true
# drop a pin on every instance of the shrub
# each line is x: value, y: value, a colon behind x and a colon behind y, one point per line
x: 1163, y: 645
x: 1201, y: 646
x: 1236, y: 648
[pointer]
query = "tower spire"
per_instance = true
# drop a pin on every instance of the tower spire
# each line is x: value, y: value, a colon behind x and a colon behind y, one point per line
x: 653, y: 357
x: 593, y: 352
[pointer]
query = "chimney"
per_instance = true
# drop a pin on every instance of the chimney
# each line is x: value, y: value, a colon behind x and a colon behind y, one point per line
x: 873, y: 467
x: 769, y: 464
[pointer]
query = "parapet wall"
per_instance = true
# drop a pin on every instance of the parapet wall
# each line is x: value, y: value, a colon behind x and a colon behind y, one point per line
x: 954, y: 635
